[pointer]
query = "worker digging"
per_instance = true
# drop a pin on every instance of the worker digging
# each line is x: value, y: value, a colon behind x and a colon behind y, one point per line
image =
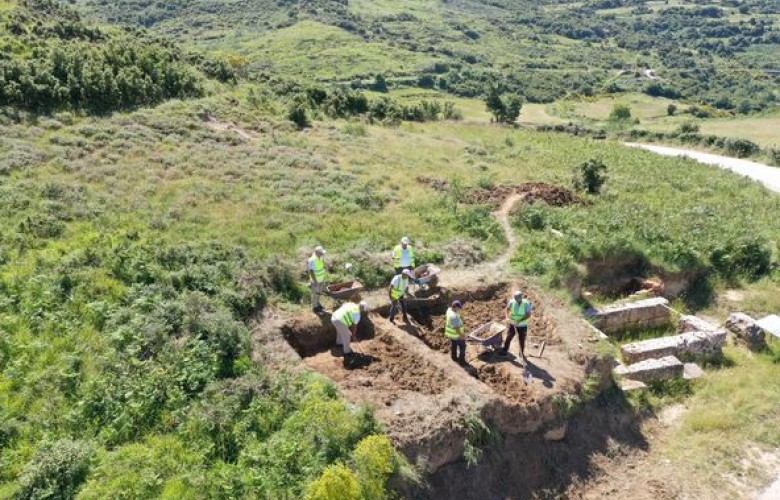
x: 518, y: 310
x: 403, y: 256
x: 345, y: 320
x: 397, y: 292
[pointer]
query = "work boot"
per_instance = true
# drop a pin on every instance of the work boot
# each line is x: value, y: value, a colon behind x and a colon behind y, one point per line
x: 349, y: 360
x: 462, y: 362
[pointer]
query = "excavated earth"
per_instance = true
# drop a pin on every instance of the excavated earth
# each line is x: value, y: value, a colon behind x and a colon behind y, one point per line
x: 420, y: 394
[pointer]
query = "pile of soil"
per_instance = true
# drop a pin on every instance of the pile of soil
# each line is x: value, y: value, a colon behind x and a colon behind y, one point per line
x: 556, y: 196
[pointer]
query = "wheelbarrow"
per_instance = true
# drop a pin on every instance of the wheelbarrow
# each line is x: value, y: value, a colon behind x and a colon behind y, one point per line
x: 343, y: 291
x: 489, y: 336
x: 426, y: 275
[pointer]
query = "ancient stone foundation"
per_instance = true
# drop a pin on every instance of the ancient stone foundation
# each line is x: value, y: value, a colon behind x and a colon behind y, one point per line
x: 646, y: 313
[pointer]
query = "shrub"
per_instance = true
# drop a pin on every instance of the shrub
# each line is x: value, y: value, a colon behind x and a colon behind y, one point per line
x: 337, y: 482
x: 374, y: 460
x: 751, y: 258
x: 590, y: 176
x: 56, y: 472
x: 505, y: 109
x: 620, y: 112
x: 741, y: 148
x: 671, y: 109
x: 689, y: 127
x: 299, y: 115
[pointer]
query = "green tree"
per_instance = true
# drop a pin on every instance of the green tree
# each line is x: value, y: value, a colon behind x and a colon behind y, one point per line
x: 620, y: 112
x: 591, y: 176
x: 671, y: 109
x: 504, y: 108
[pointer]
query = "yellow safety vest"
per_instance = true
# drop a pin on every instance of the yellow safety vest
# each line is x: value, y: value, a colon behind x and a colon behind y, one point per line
x: 345, y: 312
x: 517, y: 311
x: 398, y: 291
x: 398, y: 251
x: 319, y: 268
x: 450, y: 330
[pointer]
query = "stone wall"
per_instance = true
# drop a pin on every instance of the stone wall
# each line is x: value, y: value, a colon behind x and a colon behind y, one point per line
x: 747, y: 331
x: 646, y: 313
x: 652, y: 369
x: 689, y: 343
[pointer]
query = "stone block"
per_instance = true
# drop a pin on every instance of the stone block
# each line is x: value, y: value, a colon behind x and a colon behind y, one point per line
x: 668, y: 367
x: 628, y: 385
x: 643, y: 313
x: 692, y: 371
x: 747, y: 331
x: 691, y: 343
x: 693, y: 324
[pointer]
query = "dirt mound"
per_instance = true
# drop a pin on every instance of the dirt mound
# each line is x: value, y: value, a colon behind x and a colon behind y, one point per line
x: 556, y: 196
x: 508, y: 383
x: 404, y: 368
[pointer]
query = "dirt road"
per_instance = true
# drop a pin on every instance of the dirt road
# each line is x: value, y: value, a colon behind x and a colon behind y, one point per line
x: 766, y: 175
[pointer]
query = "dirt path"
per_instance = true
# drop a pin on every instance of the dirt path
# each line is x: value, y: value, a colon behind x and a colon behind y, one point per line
x: 766, y: 175
x: 503, y: 218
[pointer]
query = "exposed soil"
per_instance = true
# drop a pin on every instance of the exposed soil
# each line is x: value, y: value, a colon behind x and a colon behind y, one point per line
x: 557, y: 196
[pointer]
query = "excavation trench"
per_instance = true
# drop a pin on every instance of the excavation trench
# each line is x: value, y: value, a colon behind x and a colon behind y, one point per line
x: 422, y: 396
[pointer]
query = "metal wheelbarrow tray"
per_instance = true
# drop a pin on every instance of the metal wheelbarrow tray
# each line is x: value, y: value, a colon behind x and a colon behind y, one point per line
x: 426, y: 274
x: 489, y: 335
x: 344, y: 290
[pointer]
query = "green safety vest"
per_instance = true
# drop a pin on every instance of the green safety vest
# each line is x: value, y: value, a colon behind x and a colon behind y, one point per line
x: 517, y: 311
x: 345, y: 312
x: 397, y: 252
x: 319, y: 268
x: 449, y: 330
x: 398, y: 291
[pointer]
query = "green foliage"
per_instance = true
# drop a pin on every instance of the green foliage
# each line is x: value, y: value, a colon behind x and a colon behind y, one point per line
x: 375, y: 462
x: 591, y: 176
x: 620, y: 113
x: 336, y: 483
x: 70, y: 66
x: 56, y: 472
x: 748, y: 257
x: 504, y: 108
x: 689, y: 127
x: 298, y: 114
x: 671, y: 109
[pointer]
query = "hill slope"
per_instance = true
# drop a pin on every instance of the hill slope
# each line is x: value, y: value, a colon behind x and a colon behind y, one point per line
x: 716, y: 54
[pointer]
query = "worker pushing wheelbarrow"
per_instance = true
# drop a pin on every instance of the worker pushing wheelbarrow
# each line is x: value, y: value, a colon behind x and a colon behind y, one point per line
x: 489, y: 336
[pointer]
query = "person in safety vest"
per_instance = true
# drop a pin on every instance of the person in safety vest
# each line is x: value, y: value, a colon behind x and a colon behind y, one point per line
x: 397, y: 291
x: 345, y: 320
x: 403, y: 256
x: 455, y: 331
x: 315, y: 268
x: 518, y: 310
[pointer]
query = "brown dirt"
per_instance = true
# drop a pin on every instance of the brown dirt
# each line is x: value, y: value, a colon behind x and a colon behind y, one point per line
x: 557, y: 196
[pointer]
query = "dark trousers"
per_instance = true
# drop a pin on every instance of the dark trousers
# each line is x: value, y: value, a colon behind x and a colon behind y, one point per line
x: 458, y: 350
x: 522, y: 332
x: 395, y: 305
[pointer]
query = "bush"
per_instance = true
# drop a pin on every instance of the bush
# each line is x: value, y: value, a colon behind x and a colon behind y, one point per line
x: 374, y: 460
x: 620, y: 112
x: 56, y: 472
x: 505, y: 109
x: 299, y: 115
x: 741, y: 148
x: 590, y: 176
x: 337, y: 482
x: 749, y: 258
x: 688, y: 127
x: 671, y: 109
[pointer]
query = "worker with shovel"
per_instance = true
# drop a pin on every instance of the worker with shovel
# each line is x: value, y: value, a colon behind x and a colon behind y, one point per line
x: 315, y: 268
x: 345, y: 320
x: 455, y: 331
x: 398, y: 287
x: 403, y: 255
x: 518, y: 310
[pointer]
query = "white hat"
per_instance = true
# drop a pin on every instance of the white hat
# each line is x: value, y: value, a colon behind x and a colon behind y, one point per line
x: 405, y: 240
x: 319, y: 249
x: 518, y: 293
x: 408, y: 272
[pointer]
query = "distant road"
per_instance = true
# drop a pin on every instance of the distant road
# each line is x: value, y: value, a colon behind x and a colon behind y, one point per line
x: 766, y: 175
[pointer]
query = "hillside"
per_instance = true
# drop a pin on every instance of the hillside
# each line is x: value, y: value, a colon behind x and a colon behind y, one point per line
x: 718, y: 54
x: 162, y: 184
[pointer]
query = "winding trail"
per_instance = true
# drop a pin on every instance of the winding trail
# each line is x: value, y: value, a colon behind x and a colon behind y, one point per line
x: 766, y: 175
x: 502, y: 215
